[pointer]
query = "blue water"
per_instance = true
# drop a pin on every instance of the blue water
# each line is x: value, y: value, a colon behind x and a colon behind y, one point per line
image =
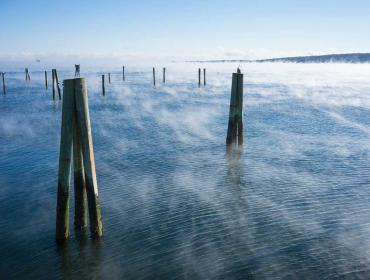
x: 294, y: 203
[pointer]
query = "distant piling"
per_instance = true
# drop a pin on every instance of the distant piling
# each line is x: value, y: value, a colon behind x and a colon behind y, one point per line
x: 57, y: 83
x: 53, y: 82
x: 164, y: 75
x: 77, y: 70
x: 46, y: 79
x: 3, y: 78
x: 28, y: 78
x: 204, y: 76
x: 199, y: 74
x: 76, y: 133
x: 103, y: 84
x: 123, y: 73
x: 235, y: 126
x: 153, y: 76
x: 109, y: 78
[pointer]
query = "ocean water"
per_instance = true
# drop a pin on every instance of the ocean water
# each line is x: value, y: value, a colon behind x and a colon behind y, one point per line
x: 293, y: 203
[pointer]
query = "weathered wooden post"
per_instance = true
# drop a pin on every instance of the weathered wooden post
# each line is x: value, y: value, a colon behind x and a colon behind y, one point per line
x: 199, y: 73
x: 235, y: 126
x: 77, y: 70
x: 204, y: 76
x: 46, y: 80
x: 28, y: 78
x: 76, y: 132
x: 3, y: 78
x: 123, y: 73
x: 103, y: 84
x: 153, y: 76
x: 57, y: 83
x: 164, y: 75
x: 53, y: 82
x: 108, y: 77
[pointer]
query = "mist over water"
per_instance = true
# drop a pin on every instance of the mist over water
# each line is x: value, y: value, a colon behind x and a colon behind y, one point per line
x: 293, y: 204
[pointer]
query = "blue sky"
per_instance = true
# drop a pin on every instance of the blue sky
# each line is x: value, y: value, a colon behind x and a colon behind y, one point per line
x: 182, y: 29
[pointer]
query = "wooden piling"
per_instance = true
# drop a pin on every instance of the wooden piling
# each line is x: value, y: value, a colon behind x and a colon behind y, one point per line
x: 79, y: 179
x: 76, y: 132
x: 164, y: 75
x: 65, y: 154
x: 53, y: 82
x: 109, y: 78
x: 46, y: 80
x: 153, y: 76
x: 84, y: 129
x: 77, y: 70
x: 123, y: 73
x: 204, y: 76
x: 3, y: 78
x: 235, y: 126
x: 57, y: 83
x: 28, y: 78
x: 199, y: 74
x: 103, y: 84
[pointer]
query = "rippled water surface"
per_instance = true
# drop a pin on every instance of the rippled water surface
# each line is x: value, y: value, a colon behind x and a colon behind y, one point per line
x: 293, y: 204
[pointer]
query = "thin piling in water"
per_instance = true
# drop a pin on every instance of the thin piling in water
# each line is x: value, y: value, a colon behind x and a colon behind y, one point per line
x: 164, y: 75
x: 76, y: 133
x: 199, y: 77
x: 28, y: 78
x: 3, y: 78
x: 103, y: 84
x: 53, y: 82
x: 123, y: 73
x: 235, y: 125
x: 204, y: 76
x: 109, y: 78
x: 153, y: 76
x: 46, y: 80
x: 57, y: 83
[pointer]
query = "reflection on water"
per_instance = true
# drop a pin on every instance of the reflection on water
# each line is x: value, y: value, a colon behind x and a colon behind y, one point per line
x: 292, y: 203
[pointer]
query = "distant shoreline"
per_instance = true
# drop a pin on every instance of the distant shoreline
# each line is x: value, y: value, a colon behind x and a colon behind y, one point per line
x: 329, y: 58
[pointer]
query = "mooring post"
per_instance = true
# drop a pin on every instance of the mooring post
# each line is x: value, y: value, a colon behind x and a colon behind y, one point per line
x: 65, y: 154
x: 153, y: 76
x: 204, y: 76
x: 79, y: 179
x: 123, y: 73
x: 3, y: 78
x: 84, y: 129
x: 57, y: 83
x: 46, y: 80
x: 235, y: 126
x: 103, y: 84
x: 108, y: 77
x: 164, y: 75
x: 76, y: 132
x: 28, y: 78
x: 199, y: 74
x: 53, y: 82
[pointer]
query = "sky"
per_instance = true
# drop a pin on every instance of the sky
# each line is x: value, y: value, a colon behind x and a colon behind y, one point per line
x: 180, y: 29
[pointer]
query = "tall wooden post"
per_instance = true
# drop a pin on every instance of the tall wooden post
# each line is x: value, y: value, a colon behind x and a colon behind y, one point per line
x: 108, y: 77
x: 53, y: 82
x: 164, y: 75
x: 84, y: 129
x: 199, y: 74
x: 123, y: 73
x: 57, y: 83
x: 28, y: 78
x: 153, y: 76
x: 235, y: 126
x: 3, y: 78
x: 103, y: 84
x: 204, y: 76
x: 76, y: 132
x: 46, y: 80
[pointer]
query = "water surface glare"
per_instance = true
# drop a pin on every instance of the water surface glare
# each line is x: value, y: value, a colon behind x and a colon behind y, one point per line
x: 294, y: 204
